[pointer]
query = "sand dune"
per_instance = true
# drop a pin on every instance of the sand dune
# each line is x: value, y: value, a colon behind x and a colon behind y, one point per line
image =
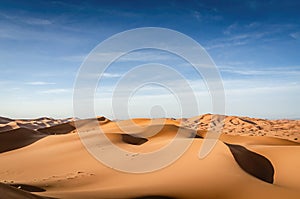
x: 245, y: 126
x: 239, y: 166
x: 34, y: 124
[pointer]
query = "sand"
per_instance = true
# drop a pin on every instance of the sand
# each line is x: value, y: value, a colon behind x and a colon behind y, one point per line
x: 253, y: 158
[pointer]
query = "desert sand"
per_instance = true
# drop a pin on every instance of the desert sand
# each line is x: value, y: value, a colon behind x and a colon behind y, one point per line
x: 253, y: 158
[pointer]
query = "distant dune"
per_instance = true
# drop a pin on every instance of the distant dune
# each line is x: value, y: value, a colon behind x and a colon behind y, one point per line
x: 253, y: 158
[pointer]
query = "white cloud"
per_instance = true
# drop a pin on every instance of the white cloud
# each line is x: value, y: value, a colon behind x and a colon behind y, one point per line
x: 55, y: 91
x: 226, y: 44
x: 111, y: 75
x: 40, y: 83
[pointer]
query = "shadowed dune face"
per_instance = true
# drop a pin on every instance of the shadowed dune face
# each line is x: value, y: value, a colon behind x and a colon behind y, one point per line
x: 18, y: 138
x: 4, y: 120
x: 5, y: 128
x: 103, y: 120
x: 253, y: 163
x: 153, y: 197
x: 131, y: 139
x: 248, y: 121
x: 10, y: 192
x: 27, y: 187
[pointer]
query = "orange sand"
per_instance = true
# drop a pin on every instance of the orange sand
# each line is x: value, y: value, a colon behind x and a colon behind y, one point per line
x: 39, y: 154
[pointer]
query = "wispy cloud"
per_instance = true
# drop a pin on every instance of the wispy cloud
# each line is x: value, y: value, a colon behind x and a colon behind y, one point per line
x: 111, y: 75
x: 26, y: 19
x: 230, y: 29
x: 225, y: 44
x: 23, y: 26
x: 4, y: 82
x: 56, y: 91
x: 149, y: 56
x: 40, y: 83
x: 17, y: 32
x: 237, y: 35
x: 74, y: 58
x: 282, y: 71
x: 205, y: 14
x: 295, y: 35
x: 145, y: 56
x: 237, y: 39
x: 197, y: 15
x: 37, y: 21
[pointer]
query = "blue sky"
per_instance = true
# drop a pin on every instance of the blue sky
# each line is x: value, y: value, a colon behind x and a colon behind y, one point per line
x: 255, y: 45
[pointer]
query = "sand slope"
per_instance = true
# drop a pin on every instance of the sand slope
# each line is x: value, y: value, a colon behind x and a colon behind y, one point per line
x: 240, y: 166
